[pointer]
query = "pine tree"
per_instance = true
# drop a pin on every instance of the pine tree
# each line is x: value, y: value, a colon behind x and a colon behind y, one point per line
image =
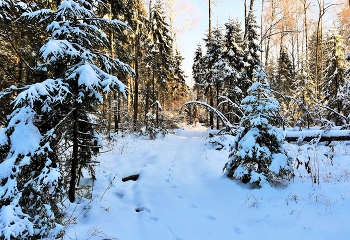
x: 179, y: 74
x: 304, y: 96
x: 218, y: 68
x: 159, y: 58
x: 161, y: 44
x: 252, y: 52
x: 285, y: 73
x: 138, y: 23
x: 334, y: 76
x: 315, y: 67
x: 60, y: 109
x: 257, y: 155
x: 233, y: 54
x: 177, y: 86
x: 18, y: 41
x: 198, y: 72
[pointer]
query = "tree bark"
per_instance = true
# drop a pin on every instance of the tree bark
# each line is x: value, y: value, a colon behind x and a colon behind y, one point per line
x: 245, y: 18
x: 75, y: 154
x: 136, y: 82
x: 217, y: 103
x: 150, y: 9
x: 211, y: 100
x: 210, y: 19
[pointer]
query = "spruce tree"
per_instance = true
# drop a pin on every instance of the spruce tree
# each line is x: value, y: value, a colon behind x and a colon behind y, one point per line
x: 304, y: 95
x: 218, y: 68
x: 198, y: 72
x: 233, y: 54
x: 252, y: 52
x: 257, y: 155
x: 59, y: 109
x: 334, y: 76
x: 159, y: 58
x: 285, y: 73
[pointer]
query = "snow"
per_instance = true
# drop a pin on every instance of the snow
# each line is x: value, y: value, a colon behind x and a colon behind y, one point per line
x: 279, y: 161
x: 316, y: 133
x: 87, y: 76
x: 3, y: 137
x: 15, y: 225
x: 182, y: 194
x: 24, y: 132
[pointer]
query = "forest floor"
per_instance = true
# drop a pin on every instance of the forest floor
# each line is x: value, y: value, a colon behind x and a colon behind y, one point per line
x: 181, y: 193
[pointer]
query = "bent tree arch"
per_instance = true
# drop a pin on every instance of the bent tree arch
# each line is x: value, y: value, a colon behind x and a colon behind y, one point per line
x: 211, y: 109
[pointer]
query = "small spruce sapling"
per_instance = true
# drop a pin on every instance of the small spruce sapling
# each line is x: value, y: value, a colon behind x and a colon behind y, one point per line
x: 257, y: 155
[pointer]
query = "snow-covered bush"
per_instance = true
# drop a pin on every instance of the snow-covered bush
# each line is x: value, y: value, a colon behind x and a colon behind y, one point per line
x: 30, y: 180
x: 257, y: 155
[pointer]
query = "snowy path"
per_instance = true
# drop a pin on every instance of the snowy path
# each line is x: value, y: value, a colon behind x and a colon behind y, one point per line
x: 182, y: 194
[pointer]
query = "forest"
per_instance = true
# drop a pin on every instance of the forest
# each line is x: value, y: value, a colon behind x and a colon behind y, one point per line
x: 78, y: 75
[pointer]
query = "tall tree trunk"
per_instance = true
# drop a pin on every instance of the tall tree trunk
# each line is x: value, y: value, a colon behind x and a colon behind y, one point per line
x: 110, y: 97
x: 75, y: 150
x: 109, y: 109
x: 211, y: 114
x: 116, y: 112
x: 217, y: 105
x: 268, y: 33
x: 245, y: 18
x: 210, y: 1
x: 150, y: 9
x: 251, y: 5
x: 261, y: 28
x: 306, y: 34
x: 211, y: 97
x: 146, y: 105
x: 136, y: 81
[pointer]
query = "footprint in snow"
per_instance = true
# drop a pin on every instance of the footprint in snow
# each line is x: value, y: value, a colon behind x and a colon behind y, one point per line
x: 119, y: 195
x: 211, y: 217
x: 238, y: 230
x: 193, y: 206
x: 140, y: 209
x: 154, y: 219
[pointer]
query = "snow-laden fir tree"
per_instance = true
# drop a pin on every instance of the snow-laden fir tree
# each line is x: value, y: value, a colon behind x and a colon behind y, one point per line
x: 257, y: 154
x: 283, y: 82
x: 58, y: 110
x: 217, y: 66
x: 177, y: 88
x: 198, y: 73
x: 233, y: 54
x: 161, y: 57
x: 252, y: 52
x: 285, y: 73
x: 304, y: 95
x: 179, y: 74
x: 159, y: 60
x: 345, y: 92
x: 334, y: 77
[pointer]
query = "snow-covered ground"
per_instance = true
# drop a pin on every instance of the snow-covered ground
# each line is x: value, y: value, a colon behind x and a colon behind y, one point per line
x: 181, y: 193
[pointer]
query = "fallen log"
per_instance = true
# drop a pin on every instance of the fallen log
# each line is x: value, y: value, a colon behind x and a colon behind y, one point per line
x: 319, y: 135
